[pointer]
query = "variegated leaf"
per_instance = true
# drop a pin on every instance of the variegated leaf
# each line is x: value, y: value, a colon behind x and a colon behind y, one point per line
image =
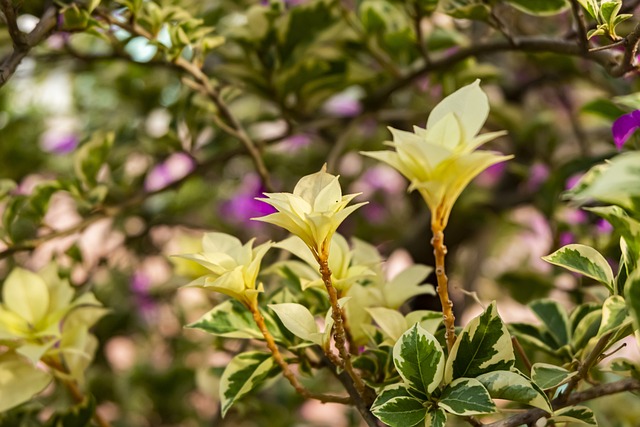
x: 419, y: 359
x: 555, y: 318
x: 628, y: 228
x: 548, y: 376
x: 244, y: 373
x: 586, y: 329
x: 515, y: 387
x: 632, y: 297
x: 466, y: 397
x: 435, y: 418
x: 614, y: 314
x: 20, y: 380
x: 397, y: 409
x: 584, y: 260
x: 534, y: 335
x: 575, y: 414
x: 483, y: 346
x: 230, y: 319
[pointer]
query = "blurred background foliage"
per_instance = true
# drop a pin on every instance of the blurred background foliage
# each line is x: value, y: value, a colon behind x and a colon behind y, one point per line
x: 113, y: 157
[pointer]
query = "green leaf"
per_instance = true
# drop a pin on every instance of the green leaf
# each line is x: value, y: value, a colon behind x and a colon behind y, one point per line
x: 427, y: 6
x: 6, y: 187
x: 419, y: 359
x: 515, y: 387
x: 586, y: 329
x: 540, y: 7
x: 244, y: 373
x: 584, y: 260
x: 614, y: 314
x: 632, y: 298
x: 554, y: 317
x: 79, y: 415
x: 548, y: 376
x: 534, y: 335
x: 90, y: 157
x: 628, y: 228
x: 617, y: 182
x: 436, y: 417
x: 483, y: 346
x: 299, y: 320
x: 466, y: 397
x: 231, y: 319
x: 396, y: 407
x: 575, y: 414
x: 466, y: 9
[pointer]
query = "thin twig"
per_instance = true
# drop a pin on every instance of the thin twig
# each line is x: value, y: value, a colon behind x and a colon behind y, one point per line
x: 578, y: 17
x: 22, y: 44
x: 337, y: 314
x: 440, y: 251
x: 286, y: 370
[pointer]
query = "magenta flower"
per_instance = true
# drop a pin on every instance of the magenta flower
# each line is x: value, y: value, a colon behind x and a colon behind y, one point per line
x: 624, y: 127
x: 244, y: 206
x: 59, y: 143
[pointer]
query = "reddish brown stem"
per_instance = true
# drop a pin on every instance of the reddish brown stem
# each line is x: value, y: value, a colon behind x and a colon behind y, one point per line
x: 440, y: 251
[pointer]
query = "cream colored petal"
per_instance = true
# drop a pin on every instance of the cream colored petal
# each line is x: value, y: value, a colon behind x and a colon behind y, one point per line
x: 391, y: 158
x: 26, y: 294
x: 339, y: 256
x: 308, y: 187
x: 470, y: 105
x: 484, y: 138
x: 401, y: 137
x: 446, y: 132
x: 231, y: 283
x: 298, y: 248
x: 293, y: 225
x: 219, y: 242
x: 328, y: 197
x: 12, y: 325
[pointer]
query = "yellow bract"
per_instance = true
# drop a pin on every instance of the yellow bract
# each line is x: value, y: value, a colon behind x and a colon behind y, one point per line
x: 234, y: 267
x: 313, y: 212
x: 40, y: 320
x: 441, y: 160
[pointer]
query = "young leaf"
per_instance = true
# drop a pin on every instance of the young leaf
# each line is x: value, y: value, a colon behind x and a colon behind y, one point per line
x: 436, y: 417
x: 392, y: 322
x: 466, y: 397
x: 540, y: 7
x: 554, y: 317
x: 614, y: 314
x: 230, y: 319
x: 299, y: 320
x: 90, y: 157
x: 483, y: 346
x: 575, y: 414
x: 244, y: 373
x: 548, y: 376
x: 584, y: 260
x: 515, y: 387
x: 419, y: 359
x: 534, y: 335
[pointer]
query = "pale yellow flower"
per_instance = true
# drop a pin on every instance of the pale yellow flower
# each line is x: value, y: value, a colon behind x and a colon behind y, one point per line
x: 234, y: 267
x: 313, y: 212
x: 441, y: 160
x: 41, y: 320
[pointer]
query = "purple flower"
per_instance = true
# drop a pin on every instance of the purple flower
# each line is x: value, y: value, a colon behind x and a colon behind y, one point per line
x: 59, y: 143
x: 243, y: 206
x: 566, y: 238
x: 140, y: 285
x: 174, y: 168
x: 491, y: 175
x: 624, y: 127
x: 603, y: 226
x: 539, y: 173
x: 573, y: 180
x: 344, y: 104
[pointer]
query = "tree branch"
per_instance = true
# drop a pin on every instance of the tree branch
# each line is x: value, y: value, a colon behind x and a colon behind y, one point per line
x: 22, y: 44
x: 609, y: 60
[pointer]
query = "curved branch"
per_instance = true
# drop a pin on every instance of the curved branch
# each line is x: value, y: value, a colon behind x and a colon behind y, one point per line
x: 23, y: 43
